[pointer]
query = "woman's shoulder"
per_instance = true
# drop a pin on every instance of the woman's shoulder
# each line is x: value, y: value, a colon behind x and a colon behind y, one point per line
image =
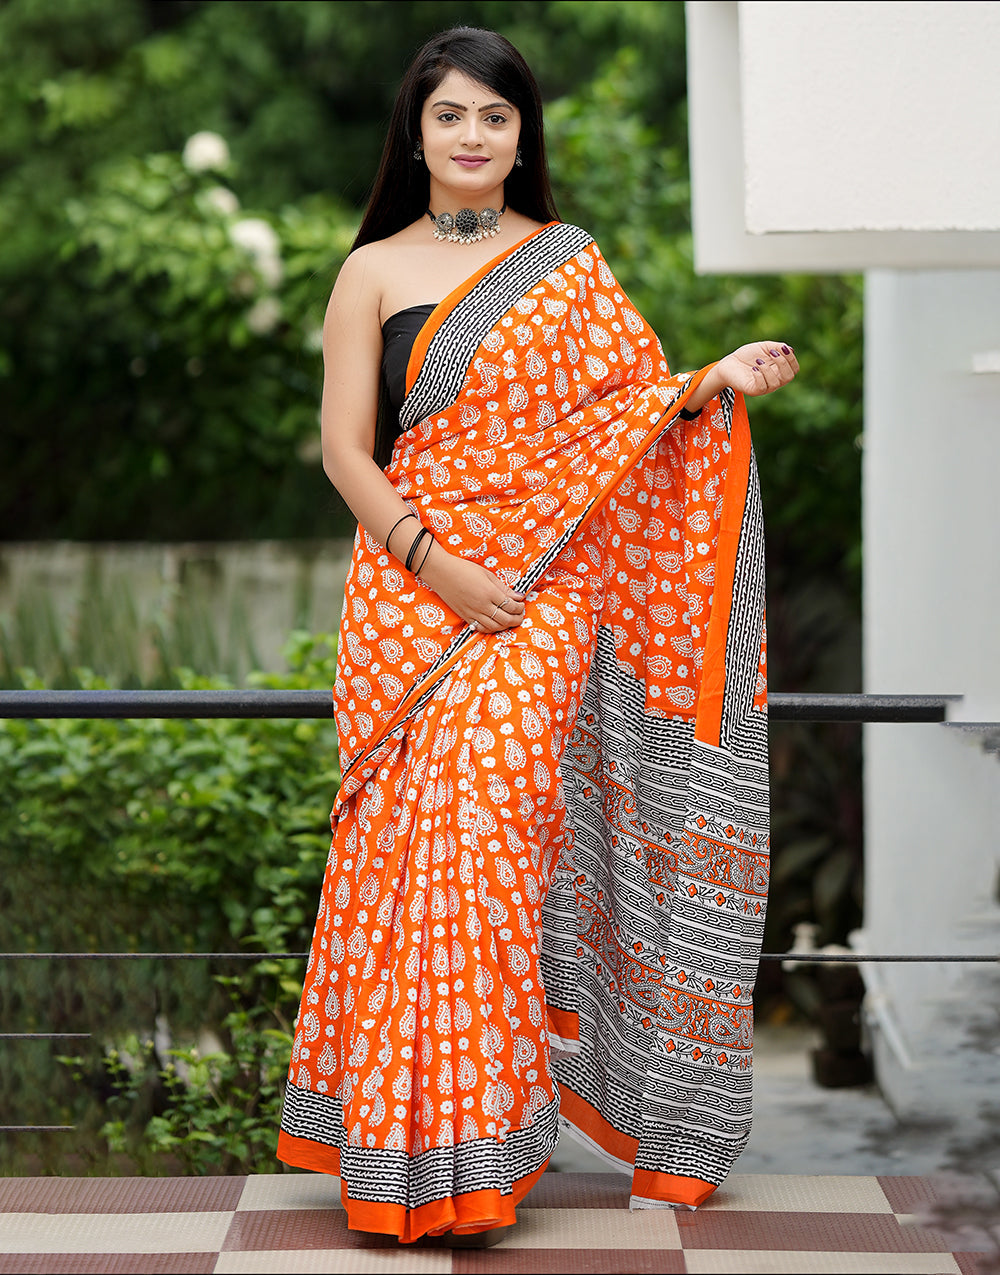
x: 360, y: 261
x: 377, y: 259
x: 357, y: 289
x: 366, y: 268
x: 372, y: 272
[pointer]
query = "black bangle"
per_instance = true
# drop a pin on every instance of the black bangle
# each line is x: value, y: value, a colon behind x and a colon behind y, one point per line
x: 433, y: 542
x: 394, y: 526
x: 418, y: 538
x: 687, y: 415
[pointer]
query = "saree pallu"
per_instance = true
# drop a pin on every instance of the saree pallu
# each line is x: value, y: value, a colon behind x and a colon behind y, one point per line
x: 544, y: 900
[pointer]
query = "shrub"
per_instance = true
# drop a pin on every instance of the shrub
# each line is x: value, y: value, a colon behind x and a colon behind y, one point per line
x: 163, y: 835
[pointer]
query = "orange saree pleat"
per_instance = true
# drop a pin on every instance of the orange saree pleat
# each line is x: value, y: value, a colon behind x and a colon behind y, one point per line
x: 509, y: 922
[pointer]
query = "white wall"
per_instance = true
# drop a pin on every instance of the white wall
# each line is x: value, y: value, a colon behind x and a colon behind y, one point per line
x: 870, y: 116
x: 842, y: 136
x: 932, y: 459
x: 837, y: 153
x: 932, y: 624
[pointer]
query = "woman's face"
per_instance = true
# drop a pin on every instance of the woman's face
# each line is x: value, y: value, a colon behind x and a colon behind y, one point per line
x: 470, y: 137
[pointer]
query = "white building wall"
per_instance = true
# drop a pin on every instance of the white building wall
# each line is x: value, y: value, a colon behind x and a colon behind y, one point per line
x: 843, y: 136
x: 931, y: 624
x: 740, y: 58
x: 870, y: 116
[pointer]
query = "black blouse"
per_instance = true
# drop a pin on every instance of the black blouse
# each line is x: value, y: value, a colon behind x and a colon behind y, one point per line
x: 399, y: 332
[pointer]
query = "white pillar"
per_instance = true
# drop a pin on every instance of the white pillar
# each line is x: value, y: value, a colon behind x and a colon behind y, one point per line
x: 931, y: 529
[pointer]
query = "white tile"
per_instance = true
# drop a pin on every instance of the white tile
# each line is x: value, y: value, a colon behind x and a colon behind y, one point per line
x: 291, y: 1191
x: 593, y: 1228
x: 114, y: 1232
x: 791, y: 1193
x: 319, y: 1261
x: 741, y: 1261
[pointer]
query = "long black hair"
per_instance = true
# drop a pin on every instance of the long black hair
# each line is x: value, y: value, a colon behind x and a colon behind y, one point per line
x: 402, y: 186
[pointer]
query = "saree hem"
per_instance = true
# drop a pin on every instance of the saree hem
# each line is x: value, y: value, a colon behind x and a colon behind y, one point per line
x: 649, y: 1188
x: 303, y: 1153
x: 465, y: 1214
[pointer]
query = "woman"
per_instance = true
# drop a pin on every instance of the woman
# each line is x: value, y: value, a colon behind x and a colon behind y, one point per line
x: 545, y: 890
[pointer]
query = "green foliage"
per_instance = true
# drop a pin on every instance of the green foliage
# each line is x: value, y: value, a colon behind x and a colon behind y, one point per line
x: 201, y: 360
x: 215, y: 1111
x: 161, y: 835
x: 173, y: 812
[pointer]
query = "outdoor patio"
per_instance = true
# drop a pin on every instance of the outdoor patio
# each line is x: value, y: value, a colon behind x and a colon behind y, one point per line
x: 576, y: 1222
x: 831, y: 1182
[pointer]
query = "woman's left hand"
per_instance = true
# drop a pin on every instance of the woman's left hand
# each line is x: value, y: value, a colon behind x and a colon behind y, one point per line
x: 758, y: 368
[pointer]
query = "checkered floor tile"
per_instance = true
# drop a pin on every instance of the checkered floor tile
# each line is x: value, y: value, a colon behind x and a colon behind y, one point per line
x: 571, y: 1222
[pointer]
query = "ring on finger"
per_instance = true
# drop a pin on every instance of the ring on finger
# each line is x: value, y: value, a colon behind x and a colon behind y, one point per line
x: 495, y: 610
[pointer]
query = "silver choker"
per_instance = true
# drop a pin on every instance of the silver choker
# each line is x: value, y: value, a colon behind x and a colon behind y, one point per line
x: 466, y: 226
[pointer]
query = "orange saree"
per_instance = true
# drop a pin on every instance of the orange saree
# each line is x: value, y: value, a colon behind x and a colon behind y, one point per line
x: 545, y: 893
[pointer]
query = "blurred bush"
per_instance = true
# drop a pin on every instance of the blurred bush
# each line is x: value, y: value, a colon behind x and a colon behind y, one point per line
x: 167, y: 377
x: 162, y: 836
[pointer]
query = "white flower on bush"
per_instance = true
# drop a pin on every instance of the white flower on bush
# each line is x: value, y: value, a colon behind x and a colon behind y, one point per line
x: 257, y: 237
x: 204, y: 152
x: 263, y: 316
x: 222, y: 200
x: 271, y: 270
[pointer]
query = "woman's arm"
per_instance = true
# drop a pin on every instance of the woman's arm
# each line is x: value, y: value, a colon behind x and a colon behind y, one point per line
x: 758, y: 368
x: 352, y: 353
x: 352, y: 357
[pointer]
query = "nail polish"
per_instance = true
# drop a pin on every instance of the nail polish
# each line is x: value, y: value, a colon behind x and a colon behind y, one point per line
x: 785, y: 350
x: 774, y: 354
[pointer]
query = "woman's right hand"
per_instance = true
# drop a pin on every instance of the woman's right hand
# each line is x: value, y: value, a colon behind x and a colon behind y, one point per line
x: 481, y: 598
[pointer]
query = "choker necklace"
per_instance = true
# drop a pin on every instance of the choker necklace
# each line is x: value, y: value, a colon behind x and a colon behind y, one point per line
x: 466, y: 226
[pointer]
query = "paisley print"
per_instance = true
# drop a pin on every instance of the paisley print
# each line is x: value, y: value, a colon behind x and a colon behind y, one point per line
x: 546, y: 879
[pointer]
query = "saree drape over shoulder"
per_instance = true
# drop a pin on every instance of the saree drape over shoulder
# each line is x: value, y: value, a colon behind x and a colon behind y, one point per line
x: 545, y: 894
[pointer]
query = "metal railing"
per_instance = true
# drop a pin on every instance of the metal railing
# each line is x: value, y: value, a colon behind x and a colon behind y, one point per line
x: 782, y: 707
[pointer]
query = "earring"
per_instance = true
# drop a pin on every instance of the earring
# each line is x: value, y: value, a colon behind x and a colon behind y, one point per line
x: 518, y: 161
x: 419, y: 151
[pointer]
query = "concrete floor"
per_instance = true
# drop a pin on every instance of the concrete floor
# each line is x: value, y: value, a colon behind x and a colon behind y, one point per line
x: 801, y: 1128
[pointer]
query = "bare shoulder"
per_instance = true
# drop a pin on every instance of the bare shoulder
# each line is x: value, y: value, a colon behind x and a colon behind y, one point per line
x: 371, y: 269
x: 357, y: 292
x: 358, y: 275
